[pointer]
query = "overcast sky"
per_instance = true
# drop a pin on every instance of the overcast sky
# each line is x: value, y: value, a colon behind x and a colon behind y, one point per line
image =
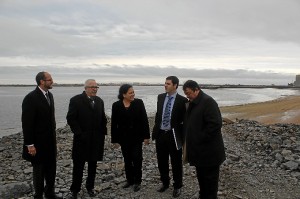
x: 211, y: 41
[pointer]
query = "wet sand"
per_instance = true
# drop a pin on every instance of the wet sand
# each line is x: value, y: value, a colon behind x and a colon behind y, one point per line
x: 282, y: 110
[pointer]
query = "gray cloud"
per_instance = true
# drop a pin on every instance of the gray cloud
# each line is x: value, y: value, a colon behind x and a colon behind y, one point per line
x: 251, y: 35
x: 143, y: 74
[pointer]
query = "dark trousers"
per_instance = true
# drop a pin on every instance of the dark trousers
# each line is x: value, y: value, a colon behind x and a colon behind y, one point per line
x: 165, y: 147
x: 133, y: 158
x: 78, y: 166
x: 45, y: 171
x: 208, y: 178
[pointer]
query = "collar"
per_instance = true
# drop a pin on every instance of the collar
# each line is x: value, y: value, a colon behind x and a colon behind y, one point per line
x: 44, y: 92
x: 89, y: 97
x: 173, y: 95
x: 198, y: 98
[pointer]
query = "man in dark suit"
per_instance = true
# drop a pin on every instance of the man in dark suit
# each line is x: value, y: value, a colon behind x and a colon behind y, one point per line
x: 204, y: 143
x: 167, y: 132
x: 38, y: 124
x: 87, y: 120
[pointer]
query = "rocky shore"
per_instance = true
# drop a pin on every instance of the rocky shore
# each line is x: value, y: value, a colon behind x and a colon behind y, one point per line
x: 263, y: 162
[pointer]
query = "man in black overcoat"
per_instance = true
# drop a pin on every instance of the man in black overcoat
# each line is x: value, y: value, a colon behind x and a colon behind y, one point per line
x: 87, y: 120
x: 38, y: 124
x: 204, y: 147
x: 168, y: 133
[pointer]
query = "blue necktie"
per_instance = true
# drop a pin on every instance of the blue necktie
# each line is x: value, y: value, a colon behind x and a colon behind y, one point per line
x: 167, y: 113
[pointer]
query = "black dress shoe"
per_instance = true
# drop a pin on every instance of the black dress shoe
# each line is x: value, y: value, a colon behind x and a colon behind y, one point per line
x: 176, y: 192
x: 195, y: 196
x: 136, y: 187
x: 38, y: 196
x: 73, y: 195
x: 91, y: 193
x: 163, y: 188
x: 126, y: 185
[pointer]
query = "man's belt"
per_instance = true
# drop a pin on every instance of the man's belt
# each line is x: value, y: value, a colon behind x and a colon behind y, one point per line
x: 166, y: 131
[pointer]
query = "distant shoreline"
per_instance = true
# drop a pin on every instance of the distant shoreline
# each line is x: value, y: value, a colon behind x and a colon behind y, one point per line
x: 202, y: 86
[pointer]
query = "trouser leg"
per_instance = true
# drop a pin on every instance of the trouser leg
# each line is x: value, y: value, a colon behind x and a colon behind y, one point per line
x: 78, y: 167
x: 50, y: 173
x: 90, y: 181
x: 38, y: 179
x: 137, y: 158
x: 163, y: 158
x: 208, y: 178
x: 176, y: 162
x: 127, y: 154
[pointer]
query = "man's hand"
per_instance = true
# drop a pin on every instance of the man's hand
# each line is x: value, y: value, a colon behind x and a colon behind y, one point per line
x: 115, y: 145
x: 31, y: 150
x: 146, y: 141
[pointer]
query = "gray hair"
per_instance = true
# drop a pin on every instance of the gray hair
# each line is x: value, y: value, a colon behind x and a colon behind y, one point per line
x: 88, y: 81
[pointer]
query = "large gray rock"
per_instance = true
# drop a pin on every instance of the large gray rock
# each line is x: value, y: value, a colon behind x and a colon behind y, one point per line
x: 291, y: 165
x: 15, y: 190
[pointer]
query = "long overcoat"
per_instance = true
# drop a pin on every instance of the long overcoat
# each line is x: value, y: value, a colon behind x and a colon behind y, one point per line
x: 38, y: 124
x: 203, y: 122
x: 88, y: 125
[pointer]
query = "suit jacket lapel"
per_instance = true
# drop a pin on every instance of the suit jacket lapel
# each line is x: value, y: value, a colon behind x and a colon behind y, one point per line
x: 97, y: 103
x: 43, y: 97
x: 174, y: 106
x: 161, y: 104
x: 51, y: 98
x: 87, y: 101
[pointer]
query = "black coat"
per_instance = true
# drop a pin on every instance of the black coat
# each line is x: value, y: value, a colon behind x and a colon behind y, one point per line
x: 204, y: 142
x: 129, y: 126
x: 177, y: 116
x: 89, y: 127
x: 38, y: 124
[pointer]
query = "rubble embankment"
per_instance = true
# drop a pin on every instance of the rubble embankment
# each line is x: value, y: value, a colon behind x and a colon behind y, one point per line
x: 263, y: 162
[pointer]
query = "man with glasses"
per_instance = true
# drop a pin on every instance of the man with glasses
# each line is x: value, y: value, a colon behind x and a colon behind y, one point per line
x: 38, y: 124
x: 204, y: 146
x: 87, y: 120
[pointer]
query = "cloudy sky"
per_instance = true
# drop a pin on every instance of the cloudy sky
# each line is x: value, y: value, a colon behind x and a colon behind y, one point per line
x: 211, y: 41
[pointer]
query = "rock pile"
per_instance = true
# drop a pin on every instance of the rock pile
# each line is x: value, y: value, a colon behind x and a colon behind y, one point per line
x: 263, y: 161
x: 279, y: 144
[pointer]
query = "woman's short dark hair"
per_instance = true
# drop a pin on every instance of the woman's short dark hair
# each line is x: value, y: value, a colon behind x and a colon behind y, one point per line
x: 123, y: 90
x: 40, y: 76
x: 191, y: 84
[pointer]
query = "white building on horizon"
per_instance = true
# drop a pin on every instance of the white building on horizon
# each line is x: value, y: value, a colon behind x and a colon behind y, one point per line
x: 297, y: 82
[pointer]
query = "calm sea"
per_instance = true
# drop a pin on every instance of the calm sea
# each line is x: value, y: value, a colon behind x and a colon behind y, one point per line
x: 11, y: 100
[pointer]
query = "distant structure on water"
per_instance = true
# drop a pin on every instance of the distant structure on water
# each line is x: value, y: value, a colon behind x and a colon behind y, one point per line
x: 297, y: 82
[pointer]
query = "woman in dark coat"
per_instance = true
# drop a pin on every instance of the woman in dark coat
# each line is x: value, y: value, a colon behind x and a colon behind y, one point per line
x: 130, y: 128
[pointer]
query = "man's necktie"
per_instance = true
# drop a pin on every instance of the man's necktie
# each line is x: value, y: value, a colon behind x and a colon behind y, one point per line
x: 167, y: 113
x: 48, y: 99
x: 92, y: 102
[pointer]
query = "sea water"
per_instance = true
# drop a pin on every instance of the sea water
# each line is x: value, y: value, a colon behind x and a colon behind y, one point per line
x: 11, y: 100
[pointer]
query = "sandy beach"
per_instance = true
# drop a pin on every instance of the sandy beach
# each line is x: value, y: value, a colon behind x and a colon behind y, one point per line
x: 282, y: 110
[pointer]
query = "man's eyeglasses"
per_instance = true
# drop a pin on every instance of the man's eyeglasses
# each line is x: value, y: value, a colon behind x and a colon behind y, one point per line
x: 92, y: 87
x: 47, y: 80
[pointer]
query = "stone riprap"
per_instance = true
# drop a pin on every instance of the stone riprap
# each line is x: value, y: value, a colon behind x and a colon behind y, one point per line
x: 263, y: 162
